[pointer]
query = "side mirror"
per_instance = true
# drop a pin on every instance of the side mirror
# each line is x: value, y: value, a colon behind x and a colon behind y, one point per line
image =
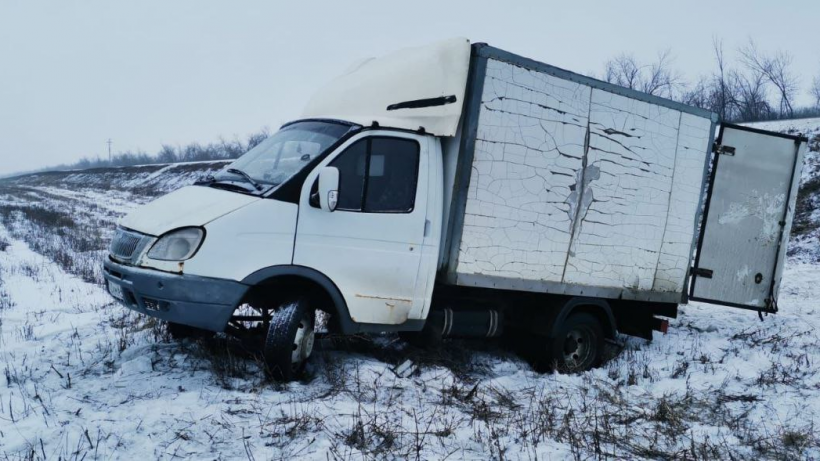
x: 328, y: 188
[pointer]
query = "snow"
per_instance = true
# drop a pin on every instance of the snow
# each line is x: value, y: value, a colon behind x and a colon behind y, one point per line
x: 85, y: 378
x: 803, y: 126
x: 808, y: 127
x: 68, y: 378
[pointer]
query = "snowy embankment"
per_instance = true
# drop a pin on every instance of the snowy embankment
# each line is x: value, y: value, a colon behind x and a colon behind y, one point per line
x: 146, y: 180
x: 83, y: 378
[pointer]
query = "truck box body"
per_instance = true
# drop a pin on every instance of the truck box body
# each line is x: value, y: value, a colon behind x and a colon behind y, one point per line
x: 559, y: 183
x: 570, y: 185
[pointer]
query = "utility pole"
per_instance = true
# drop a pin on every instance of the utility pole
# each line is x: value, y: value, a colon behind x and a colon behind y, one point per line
x: 109, y: 152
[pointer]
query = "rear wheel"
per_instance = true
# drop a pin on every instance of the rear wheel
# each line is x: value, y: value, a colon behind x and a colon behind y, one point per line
x: 289, y: 340
x: 576, y: 347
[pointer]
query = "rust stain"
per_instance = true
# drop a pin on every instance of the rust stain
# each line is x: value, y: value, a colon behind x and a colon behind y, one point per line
x: 400, y: 300
x: 397, y: 308
x: 396, y: 315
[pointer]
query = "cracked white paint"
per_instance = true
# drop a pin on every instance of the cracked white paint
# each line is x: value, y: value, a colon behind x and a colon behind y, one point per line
x: 618, y: 240
x: 539, y: 208
x: 690, y: 157
x: 529, y: 150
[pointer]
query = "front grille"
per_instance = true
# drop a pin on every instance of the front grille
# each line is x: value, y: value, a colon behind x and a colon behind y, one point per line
x: 124, y: 244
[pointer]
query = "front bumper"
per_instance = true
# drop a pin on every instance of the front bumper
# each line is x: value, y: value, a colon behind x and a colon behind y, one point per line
x: 201, y: 302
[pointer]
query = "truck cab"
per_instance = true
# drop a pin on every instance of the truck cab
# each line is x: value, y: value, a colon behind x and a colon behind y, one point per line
x: 371, y: 208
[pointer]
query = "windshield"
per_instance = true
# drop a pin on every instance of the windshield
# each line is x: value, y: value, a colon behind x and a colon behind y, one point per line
x: 282, y: 155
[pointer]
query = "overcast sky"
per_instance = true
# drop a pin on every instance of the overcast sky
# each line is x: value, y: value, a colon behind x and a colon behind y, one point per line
x: 76, y: 73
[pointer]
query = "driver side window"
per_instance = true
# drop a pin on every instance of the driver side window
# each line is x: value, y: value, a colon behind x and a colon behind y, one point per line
x: 378, y: 175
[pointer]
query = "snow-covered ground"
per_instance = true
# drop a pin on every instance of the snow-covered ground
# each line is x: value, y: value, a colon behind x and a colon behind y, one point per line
x: 141, y: 179
x: 802, y: 126
x: 84, y: 378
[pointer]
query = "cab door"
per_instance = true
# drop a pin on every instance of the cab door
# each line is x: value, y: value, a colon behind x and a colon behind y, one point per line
x: 371, y: 245
x: 747, y: 218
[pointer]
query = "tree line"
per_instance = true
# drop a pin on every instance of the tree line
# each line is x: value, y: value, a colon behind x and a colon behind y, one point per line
x: 192, y: 152
x: 755, y: 86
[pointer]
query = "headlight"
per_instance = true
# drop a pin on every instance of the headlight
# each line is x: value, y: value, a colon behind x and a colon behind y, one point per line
x: 177, y: 245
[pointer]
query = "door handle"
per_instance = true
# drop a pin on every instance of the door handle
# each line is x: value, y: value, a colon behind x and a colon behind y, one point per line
x: 427, y: 227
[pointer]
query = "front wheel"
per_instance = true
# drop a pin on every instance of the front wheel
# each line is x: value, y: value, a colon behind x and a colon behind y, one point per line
x: 289, y: 340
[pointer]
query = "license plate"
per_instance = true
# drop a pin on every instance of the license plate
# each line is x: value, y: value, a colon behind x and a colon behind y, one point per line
x: 116, y: 291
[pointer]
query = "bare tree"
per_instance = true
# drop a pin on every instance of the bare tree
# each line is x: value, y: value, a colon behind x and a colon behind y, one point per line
x: 815, y: 91
x: 623, y: 71
x: 751, y: 98
x: 231, y: 149
x: 698, y: 95
x: 662, y: 79
x: 745, y: 93
x: 777, y: 70
x: 720, y: 92
x: 167, y: 154
x: 657, y: 78
x: 256, y: 138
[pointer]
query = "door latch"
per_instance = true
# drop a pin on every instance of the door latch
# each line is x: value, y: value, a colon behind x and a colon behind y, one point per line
x: 701, y: 272
x: 725, y: 150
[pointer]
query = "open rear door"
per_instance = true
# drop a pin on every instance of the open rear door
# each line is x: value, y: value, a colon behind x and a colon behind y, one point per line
x: 747, y: 219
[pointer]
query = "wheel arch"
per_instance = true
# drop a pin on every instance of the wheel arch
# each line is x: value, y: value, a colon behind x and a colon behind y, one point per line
x: 600, y: 308
x: 315, y: 284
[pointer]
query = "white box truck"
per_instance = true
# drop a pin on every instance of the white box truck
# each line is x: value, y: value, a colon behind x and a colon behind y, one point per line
x: 461, y: 190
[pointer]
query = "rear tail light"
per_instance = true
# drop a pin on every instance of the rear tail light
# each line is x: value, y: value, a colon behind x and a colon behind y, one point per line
x: 661, y: 325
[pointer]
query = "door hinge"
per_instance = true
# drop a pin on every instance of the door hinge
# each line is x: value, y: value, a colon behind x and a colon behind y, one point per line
x: 701, y: 272
x: 725, y: 150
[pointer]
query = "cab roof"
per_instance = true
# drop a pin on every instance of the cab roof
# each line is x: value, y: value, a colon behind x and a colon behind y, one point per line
x: 421, y: 87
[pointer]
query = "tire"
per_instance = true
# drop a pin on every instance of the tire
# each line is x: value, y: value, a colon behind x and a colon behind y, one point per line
x: 577, y: 346
x: 179, y: 332
x: 289, y: 340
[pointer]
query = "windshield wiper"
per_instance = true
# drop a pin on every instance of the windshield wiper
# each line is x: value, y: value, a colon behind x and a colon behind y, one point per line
x: 247, y: 177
